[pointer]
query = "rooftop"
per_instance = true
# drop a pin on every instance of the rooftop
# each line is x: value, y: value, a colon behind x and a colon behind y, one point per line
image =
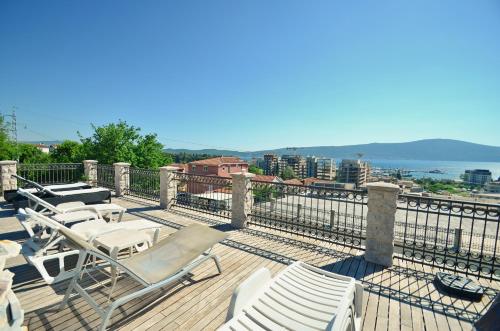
x: 218, y: 161
x: 402, y: 297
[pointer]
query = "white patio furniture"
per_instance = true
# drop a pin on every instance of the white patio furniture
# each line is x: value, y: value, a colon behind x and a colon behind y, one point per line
x: 301, y: 297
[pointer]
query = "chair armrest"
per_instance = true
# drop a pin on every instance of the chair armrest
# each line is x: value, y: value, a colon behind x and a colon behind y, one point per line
x: 86, y: 207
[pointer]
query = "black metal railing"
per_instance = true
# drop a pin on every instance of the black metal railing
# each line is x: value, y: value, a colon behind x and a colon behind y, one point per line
x: 144, y: 183
x: 335, y: 215
x: 208, y: 194
x: 106, y: 176
x: 50, y: 173
x: 458, y: 236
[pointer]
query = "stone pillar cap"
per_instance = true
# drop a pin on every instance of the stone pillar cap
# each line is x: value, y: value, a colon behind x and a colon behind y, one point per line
x: 121, y: 164
x: 242, y: 174
x: 90, y: 161
x: 382, y: 186
x: 7, y: 162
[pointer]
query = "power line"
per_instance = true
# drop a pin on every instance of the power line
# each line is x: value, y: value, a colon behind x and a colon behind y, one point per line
x: 80, y: 124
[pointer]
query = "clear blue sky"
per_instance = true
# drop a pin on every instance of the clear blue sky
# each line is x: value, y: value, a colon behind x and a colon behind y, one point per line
x: 254, y: 74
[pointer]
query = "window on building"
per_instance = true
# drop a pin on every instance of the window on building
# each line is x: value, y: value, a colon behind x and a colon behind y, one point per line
x: 205, y: 168
x: 193, y: 168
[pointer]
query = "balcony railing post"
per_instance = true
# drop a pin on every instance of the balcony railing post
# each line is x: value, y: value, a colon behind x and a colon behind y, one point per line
x: 7, y: 169
x: 332, y: 219
x: 242, y: 199
x: 168, y: 186
x: 457, y: 240
x: 299, y: 211
x: 90, y: 171
x: 122, y: 178
x: 382, y: 204
x: 272, y: 202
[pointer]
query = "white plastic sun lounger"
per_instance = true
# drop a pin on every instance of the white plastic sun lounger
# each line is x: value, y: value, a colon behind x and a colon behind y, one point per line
x: 45, y: 239
x: 67, y: 212
x: 301, y: 297
x: 165, y: 263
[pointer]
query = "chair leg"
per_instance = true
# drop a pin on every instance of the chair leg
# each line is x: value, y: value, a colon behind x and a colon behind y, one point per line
x: 78, y: 271
x: 107, y: 317
x: 217, y: 263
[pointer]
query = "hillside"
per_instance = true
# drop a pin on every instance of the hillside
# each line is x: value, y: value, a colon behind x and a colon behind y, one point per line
x: 428, y: 149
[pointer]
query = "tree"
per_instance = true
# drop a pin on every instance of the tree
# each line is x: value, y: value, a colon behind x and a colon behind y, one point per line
x: 255, y: 170
x: 149, y: 153
x: 121, y: 142
x: 30, y: 154
x: 68, y: 152
x: 7, y: 147
x: 288, y: 173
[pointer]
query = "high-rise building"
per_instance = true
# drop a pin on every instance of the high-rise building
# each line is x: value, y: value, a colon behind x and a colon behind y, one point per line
x: 271, y: 165
x: 353, y: 171
x: 311, y: 166
x: 297, y: 163
x: 477, y: 176
x: 325, y: 169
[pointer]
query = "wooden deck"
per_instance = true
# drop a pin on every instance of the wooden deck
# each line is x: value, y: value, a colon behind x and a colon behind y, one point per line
x: 402, y: 297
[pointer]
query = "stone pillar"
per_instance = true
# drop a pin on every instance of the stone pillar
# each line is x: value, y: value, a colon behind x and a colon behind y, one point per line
x: 90, y: 171
x: 242, y: 199
x: 382, y: 203
x: 168, y: 186
x: 7, y: 169
x: 122, y: 178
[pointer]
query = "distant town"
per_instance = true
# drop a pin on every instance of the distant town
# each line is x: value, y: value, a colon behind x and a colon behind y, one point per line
x: 478, y: 184
x: 348, y: 174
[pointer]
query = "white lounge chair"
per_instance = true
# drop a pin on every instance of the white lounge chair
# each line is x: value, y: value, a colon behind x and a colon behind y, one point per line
x: 301, y: 297
x: 165, y: 263
x: 73, y: 211
x: 45, y: 240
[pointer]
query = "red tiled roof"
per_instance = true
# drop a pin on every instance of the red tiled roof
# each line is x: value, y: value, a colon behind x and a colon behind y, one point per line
x: 264, y: 178
x: 219, y: 161
x: 293, y: 181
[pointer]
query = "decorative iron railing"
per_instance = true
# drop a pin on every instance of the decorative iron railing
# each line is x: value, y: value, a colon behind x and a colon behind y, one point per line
x: 106, y: 176
x: 144, y: 183
x: 208, y: 194
x: 329, y: 214
x: 50, y: 173
x: 454, y: 235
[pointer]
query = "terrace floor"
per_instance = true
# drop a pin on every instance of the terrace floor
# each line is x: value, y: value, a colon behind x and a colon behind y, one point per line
x: 402, y: 297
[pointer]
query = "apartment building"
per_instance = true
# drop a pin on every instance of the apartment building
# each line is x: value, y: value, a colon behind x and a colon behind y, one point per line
x: 353, y: 171
x: 297, y: 163
x: 326, y: 169
x: 217, y: 166
x: 311, y: 166
x: 477, y: 176
x: 271, y: 165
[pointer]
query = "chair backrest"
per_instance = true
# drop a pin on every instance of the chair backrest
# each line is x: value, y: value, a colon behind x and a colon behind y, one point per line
x: 38, y: 201
x: 71, y: 236
x: 32, y: 183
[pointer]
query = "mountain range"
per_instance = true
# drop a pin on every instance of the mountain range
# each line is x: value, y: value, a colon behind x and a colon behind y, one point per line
x: 427, y: 149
